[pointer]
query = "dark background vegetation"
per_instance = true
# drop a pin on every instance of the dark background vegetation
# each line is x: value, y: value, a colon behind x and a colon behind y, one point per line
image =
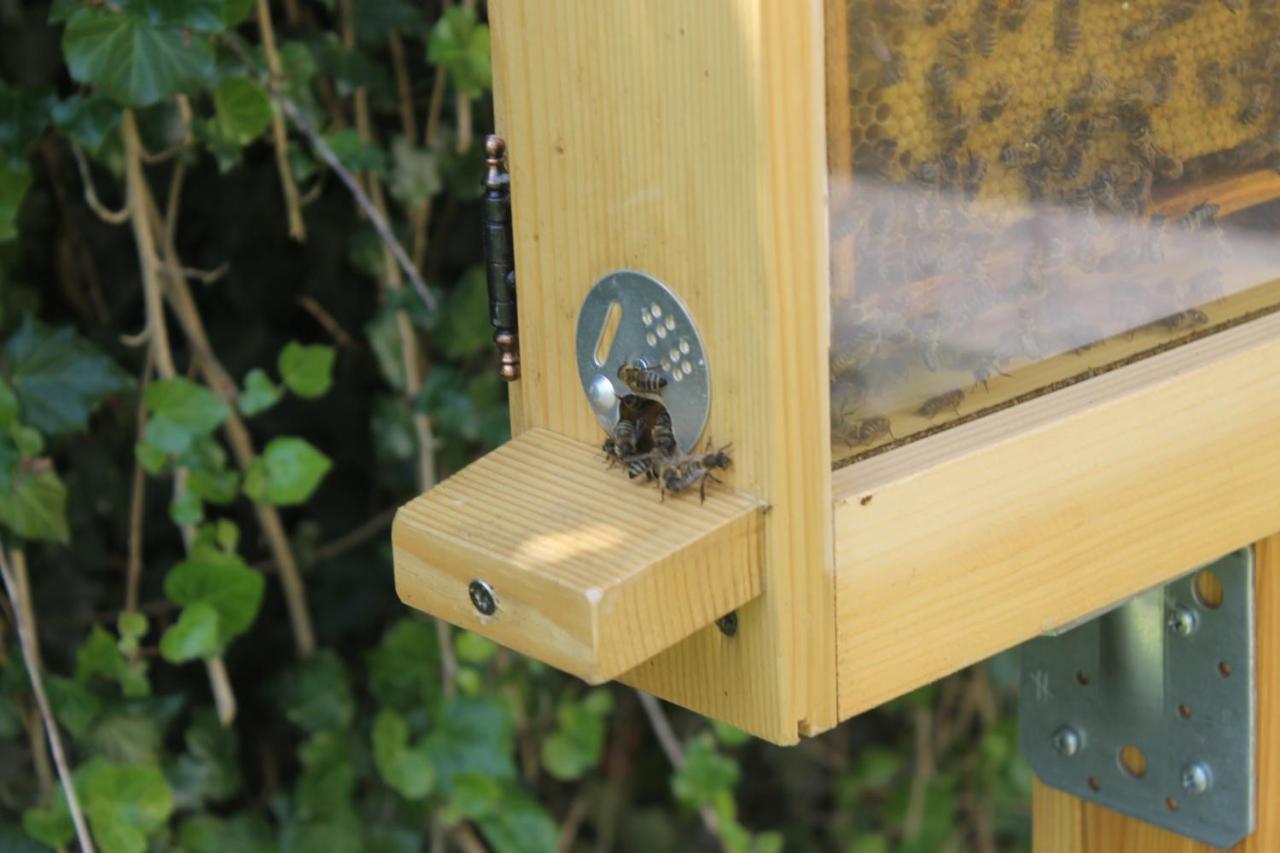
x: 368, y: 741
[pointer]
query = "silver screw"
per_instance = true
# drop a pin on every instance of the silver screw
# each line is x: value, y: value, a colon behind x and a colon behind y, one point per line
x: 482, y: 597
x: 1182, y: 620
x: 1066, y: 741
x: 1196, y: 777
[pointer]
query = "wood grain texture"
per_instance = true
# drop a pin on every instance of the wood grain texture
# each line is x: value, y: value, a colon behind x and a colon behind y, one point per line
x: 1066, y: 824
x: 980, y: 538
x: 592, y: 574
x: 686, y: 140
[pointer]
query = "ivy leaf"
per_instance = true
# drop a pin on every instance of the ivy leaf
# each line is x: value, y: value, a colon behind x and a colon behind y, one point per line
x: 24, y: 114
x: 244, y: 832
x: 15, y: 179
x: 194, y: 635
x: 259, y: 394
x: 328, y: 778
x: 286, y: 473
x: 50, y: 824
x: 405, y: 769
x: 138, y: 60
x: 706, y: 775
x: 464, y: 327
x: 415, y: 173
x: 98, y: 655
x: 35, y: 504
x: 182, y: 411
x: 124, y: 804
x: 186, y: 508
x: 8, y: 406
x: 461, y: 44
x: 354, y: 153
x: 375, y: 21
x: 576, y: 745
x: 519, y: 826
x: 131, y: 627
x: 224, y: 583
x: 473, y: 735
x: 404, y: 668
x: 318, y: 694
x: 89, y: 120
x: 197, y: 15
x: 243, y: 109
x: 219, y: 487
x: 306, y: 370
x: 74, y: 705
x: 209, y: 770
x: 58, y: 377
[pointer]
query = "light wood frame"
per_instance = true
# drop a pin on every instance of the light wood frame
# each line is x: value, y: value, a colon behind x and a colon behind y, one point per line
x: 687, y: 140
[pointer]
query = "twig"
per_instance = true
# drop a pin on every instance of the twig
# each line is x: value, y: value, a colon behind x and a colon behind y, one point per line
x: 573, y: 822
x: 913, y: 821
x: 465, y: 837
x: 206, y: 277
x: 403, y: 87
x: 351, y: 539
x: 106, y: 214
x: 34, y: 725
x: 224, y: 698
x: 184, y: 110
x: 280, y: 139
x: 138, y: 499
x: 141, y: 215
x: 17, y: 588
x: 325, y: 319
x: 673, y: 750
x: 435, y: 108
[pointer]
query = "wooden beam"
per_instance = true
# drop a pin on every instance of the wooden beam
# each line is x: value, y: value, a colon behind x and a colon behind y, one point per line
x: 686, y: 140
x: 592, y: 574
x: 982, y: 537
x: 1065, y: 824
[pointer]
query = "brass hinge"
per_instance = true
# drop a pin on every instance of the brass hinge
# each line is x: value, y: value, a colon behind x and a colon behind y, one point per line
x: 499, y: 258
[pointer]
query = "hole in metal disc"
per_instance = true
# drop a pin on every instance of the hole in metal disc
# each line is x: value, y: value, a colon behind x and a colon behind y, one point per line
x: 1133, y: 761
x: 1208, y: 589
x: 609, y: 331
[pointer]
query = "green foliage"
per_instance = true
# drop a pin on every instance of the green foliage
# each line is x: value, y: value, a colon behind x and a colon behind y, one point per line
x: 220, y: 597
x: 286, y: 473
x: 181, y: 412
x: 243, y: 109
x: 576, y: 745
x: 124, y: 805
x: 307, y: 370
x: 406, y: 768
x: 318, y: 694
x: 461, y: 44
x: 138, y: 55
x: 259, y: 394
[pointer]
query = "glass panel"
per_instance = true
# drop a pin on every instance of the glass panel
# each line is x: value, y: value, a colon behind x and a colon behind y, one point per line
x: 1026, y: 193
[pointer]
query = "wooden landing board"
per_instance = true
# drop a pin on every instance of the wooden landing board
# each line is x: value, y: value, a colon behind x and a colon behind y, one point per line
x: 593, y: 574
x: 1065, y: 824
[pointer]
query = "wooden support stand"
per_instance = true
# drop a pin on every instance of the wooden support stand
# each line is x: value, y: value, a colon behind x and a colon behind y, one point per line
x: 1065, y: 824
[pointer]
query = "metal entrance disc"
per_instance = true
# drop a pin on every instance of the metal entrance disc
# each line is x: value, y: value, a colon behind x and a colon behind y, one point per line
x: 1149, y: 709
x: 631, y: 318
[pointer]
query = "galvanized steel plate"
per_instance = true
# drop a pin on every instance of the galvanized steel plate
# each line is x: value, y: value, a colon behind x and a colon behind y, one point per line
x: 1169, y: 675
x: 629, y: 316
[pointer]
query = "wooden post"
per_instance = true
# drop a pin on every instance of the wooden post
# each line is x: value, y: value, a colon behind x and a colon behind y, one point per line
x: 1065, y: 824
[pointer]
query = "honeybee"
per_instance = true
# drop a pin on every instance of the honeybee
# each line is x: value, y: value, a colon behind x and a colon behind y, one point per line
x: 1188, y: 319
x: 871, y: 429
x: 1056, y: 123
x: 623, y: 442
x: 890, y: 62
x: 664, y: 438
x: 1093, y: 86
x: 974, y: 175
x: 1026, y: 154
x: 1165, y: 71
x: 641, y: 378
x: 983, y: 370
x: 955, y: 132
x: 941, y: 85
x: 937, y: 11
x: 940, y: 403
x: 1213, y: 83
x: 995, y: 100
x: 856, y: 350
x: 955, y: 52
x: 1074, y: 163
x: 1199, y: 216
x: 984, y: 27
x: 679, y: 475
x: 1259, y: 95
x: 1233, y: 6
x: 1066, y: 26
x: 1015, y: 14
x: 1141, y: 31
x: 1177, y: 12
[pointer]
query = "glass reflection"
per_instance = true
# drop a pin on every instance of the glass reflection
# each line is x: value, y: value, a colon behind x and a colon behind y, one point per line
x: 1037, y: 191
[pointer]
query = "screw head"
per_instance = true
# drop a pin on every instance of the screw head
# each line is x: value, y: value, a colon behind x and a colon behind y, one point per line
x: 1197, y: 777
x: 1066, y: 741
x: 1183, y: 620
x: 728, y: 623
x: 482, y: 597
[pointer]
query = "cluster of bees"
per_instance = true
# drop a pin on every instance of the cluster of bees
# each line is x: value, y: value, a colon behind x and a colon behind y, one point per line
x: 996, y: 217
x: 644, y: 445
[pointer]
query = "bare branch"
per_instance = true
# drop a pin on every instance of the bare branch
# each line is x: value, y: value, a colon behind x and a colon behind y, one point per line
x: 106, y: 214
x: 297, y: 227
x: 673, y: 750
x: 19, y: 592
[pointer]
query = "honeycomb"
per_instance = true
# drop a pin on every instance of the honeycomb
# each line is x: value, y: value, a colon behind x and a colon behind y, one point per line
x: 1040, y: 76
x: 1010, y: 159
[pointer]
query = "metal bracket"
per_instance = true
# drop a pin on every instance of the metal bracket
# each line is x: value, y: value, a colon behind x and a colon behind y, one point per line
x: 1150, y: 708
x: 628, y: 317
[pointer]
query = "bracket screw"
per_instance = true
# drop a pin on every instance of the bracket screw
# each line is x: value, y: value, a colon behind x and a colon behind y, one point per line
x: 728, y: 623
x: 1182, y: 620
x: 482, y: 597
x: 1196, y: 777
x: 1066, y: 741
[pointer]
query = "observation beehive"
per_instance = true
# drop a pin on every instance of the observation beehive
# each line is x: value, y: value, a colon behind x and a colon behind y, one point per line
x: 983, y: 304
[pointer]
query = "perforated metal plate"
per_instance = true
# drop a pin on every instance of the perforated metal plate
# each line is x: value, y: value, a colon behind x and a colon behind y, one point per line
x: 1169, y: 675
x: 629, y: 316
